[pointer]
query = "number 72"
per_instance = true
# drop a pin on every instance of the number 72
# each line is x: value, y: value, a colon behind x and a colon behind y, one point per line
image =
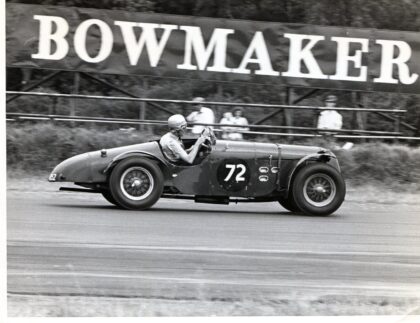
x: 239, y: 177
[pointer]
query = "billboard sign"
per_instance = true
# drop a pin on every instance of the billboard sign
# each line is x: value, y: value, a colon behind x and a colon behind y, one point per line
x: 130, y: 43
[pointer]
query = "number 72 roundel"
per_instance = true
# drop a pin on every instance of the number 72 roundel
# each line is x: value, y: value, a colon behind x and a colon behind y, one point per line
x: 233, y: 174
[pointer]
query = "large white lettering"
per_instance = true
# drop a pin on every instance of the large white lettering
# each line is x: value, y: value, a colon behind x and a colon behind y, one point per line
x: 47, y: 36
x: 259, y: 48
x: 344, y: 58
x: 194, y: 43
x: 93, y: 42
x: 105, y: 45
x: 299, y: 54
x: 147, y: 39
x: 389, y: 60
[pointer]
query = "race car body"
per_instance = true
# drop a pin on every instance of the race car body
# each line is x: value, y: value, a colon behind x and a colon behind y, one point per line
x: 302, y: 178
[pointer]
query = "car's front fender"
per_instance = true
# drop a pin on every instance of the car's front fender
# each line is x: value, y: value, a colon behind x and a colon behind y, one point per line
x: 323, y: 157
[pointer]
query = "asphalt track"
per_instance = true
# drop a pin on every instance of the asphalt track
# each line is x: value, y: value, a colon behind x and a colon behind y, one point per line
x: 63, y: 243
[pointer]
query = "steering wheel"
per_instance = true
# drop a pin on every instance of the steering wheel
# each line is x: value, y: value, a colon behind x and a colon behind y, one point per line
x: 209, y: 135
x: 210, y: 140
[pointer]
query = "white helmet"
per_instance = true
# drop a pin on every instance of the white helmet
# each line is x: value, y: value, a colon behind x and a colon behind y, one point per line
x: 177, y: 122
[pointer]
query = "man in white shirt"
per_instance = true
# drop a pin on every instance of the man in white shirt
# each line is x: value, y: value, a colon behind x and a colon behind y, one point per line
x: 330, y: 119
x: 239, y: 120
x: 202, y: 115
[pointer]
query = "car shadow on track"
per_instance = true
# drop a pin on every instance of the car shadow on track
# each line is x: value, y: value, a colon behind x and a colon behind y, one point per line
x: 84, y: 206
x: 195, y: 211
x: 184, y: 210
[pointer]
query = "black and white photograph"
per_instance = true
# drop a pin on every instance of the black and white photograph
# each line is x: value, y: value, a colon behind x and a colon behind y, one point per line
x: 226, y: 158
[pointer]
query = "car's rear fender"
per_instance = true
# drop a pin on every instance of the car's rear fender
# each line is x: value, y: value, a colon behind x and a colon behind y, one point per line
x: 74, y: 169
x: 163, y: 164
x: 327, y: 158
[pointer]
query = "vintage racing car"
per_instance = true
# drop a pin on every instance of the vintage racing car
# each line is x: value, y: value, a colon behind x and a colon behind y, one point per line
x: 301, y: 178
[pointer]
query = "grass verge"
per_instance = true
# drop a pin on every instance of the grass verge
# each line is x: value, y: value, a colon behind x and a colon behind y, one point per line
x: 71, y: 306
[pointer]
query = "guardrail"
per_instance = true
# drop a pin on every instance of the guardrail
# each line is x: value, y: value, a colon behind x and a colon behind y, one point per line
x: 362, y: 134
x: 31, y: 116
x: 260, y: 105
x: 313, y: 132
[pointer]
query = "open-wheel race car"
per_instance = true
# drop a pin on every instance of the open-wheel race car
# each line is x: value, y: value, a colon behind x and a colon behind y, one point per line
x: 301, y: 178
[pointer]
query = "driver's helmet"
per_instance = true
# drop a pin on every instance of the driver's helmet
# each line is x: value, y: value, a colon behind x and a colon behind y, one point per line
x: 177, y: 122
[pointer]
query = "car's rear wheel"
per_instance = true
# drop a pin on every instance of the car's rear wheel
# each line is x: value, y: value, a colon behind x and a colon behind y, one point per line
x: 107, y: 195
x: 318, y: 189
x: 136, y: 183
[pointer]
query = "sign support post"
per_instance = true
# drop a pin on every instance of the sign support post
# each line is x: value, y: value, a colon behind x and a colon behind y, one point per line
x: 76, y: 86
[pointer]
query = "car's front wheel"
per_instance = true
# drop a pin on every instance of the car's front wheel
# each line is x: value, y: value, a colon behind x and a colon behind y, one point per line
x: 318, y: 189
x: 136, y: 183
x: 289, y: 203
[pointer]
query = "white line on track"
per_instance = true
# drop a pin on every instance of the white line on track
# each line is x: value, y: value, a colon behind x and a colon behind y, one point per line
x: 41, y: 243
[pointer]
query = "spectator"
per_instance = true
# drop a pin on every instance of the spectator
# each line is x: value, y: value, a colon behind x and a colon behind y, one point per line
x: 201, y: 115
x: 330, y: 119
x: 227, y: 119
x: 239, y: 120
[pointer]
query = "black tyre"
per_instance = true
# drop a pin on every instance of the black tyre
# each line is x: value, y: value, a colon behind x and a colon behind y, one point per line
x: 107, y: 195
x: 289, y: 203
x: 136, y: 183
x: 318, y: 189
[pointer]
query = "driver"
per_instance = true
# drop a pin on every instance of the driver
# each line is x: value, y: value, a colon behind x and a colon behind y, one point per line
x: 172, y: 145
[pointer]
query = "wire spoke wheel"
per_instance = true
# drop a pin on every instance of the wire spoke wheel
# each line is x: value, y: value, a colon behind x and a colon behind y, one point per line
x: 319, y: 189
x: 136, y: 183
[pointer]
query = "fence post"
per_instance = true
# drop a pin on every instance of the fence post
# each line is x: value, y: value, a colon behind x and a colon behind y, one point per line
x: 219, y: 113
x: 417, y: 130
x: 288, y: 114
x: 358, y: 121
x: 52, y: 108
x: 364, y: 115
x: 354, y: 102
x: 73, y: 105
x: 26, y: 76
x: 143, y: 105
x: 397, y: 125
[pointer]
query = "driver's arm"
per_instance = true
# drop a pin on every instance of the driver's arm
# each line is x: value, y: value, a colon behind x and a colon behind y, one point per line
x: 190, y: 157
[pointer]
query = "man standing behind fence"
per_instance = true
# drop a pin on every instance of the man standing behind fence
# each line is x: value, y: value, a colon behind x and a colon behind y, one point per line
x: 330, y: 119
x: 201, y: 115
x: 238, y: 120
x: 226, y: 120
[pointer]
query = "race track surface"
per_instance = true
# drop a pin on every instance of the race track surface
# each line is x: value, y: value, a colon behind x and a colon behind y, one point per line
x: 78, y: 245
